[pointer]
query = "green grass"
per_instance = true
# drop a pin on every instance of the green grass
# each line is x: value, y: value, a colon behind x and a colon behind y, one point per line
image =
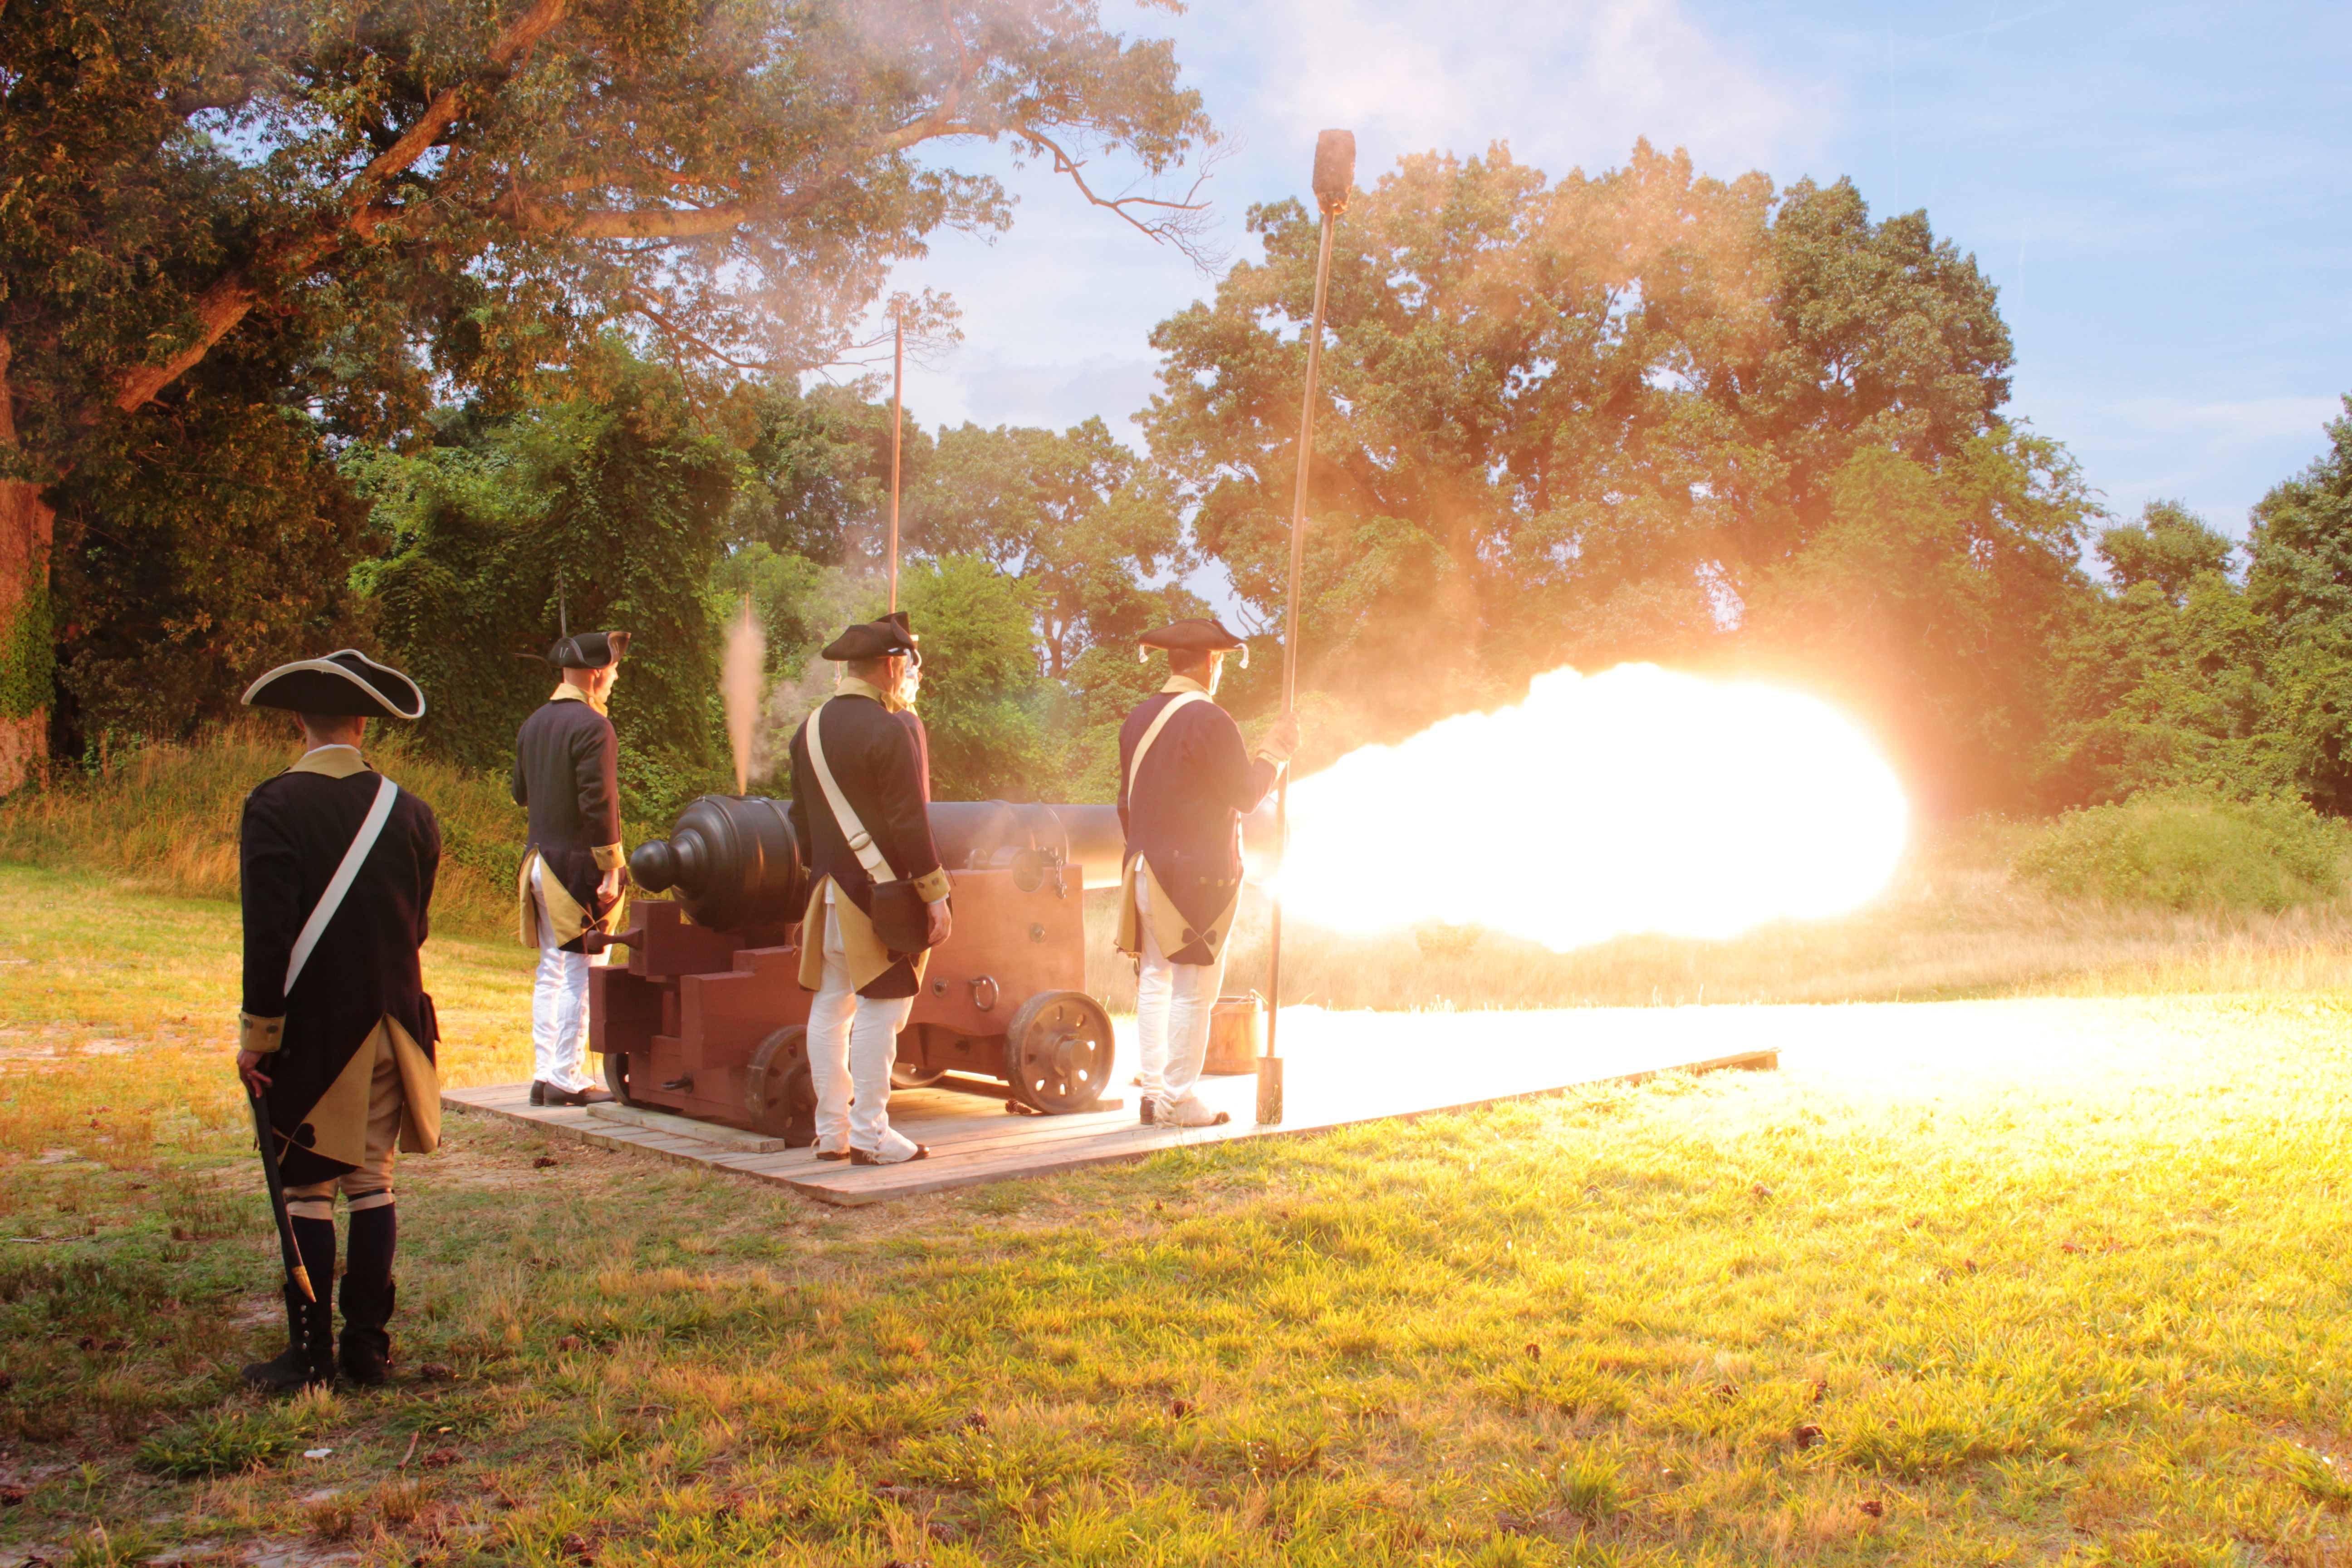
x: 2084, y: 1302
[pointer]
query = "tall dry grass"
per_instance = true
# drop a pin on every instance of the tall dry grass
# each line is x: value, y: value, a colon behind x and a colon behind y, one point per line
x: 163, y: 819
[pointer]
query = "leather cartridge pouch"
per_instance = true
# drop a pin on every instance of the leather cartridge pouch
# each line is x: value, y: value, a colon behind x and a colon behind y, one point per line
x: 901, y: 918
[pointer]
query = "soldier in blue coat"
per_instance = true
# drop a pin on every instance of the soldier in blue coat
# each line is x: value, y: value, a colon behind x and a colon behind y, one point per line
x: 566, y: 773
x: 876, y: 835
x: 335, y: 1031
x: 1185, y: 777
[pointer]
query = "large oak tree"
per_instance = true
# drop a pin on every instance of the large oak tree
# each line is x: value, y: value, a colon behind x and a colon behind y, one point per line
x: 1617, y: 417
x: 421, y: 196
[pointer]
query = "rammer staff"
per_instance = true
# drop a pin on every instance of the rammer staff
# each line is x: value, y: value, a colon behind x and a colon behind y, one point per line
x: 1335, y: 179
x: 898, y: 425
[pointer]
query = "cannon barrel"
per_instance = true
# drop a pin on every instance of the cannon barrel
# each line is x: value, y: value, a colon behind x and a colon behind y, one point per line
x: 732, y: 860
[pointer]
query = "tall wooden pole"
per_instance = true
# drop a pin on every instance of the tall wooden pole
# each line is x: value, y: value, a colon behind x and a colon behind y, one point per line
x: 1334, y: 170
x: 898, y: 425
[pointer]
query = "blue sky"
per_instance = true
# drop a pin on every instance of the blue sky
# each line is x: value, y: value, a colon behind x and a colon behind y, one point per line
x: 2159, y: 191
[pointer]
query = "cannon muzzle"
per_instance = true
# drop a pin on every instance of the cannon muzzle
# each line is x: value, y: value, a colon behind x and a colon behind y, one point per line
x: 731, y: 860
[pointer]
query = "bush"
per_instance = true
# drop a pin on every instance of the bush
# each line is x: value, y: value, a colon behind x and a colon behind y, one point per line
x: 2183, y: 849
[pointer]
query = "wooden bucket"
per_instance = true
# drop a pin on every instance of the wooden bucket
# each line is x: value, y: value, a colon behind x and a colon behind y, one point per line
x: 1236, y: 1034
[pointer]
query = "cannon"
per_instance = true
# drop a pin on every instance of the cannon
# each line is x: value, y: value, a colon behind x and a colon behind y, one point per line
x: 707, y: 1018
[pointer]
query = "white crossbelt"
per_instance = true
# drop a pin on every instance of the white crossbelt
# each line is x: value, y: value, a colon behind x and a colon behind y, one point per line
x: 370, y: 829
x: 861, y: 843
x: 1135, y: 763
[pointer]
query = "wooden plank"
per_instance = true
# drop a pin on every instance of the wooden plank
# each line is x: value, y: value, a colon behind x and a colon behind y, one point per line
x: 973, y: 1144
x: 711, y: 1132
x: 871, y: 1185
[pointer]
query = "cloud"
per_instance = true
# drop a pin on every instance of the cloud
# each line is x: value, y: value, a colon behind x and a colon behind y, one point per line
x: 1574, y: 83
x: 2216, y: 455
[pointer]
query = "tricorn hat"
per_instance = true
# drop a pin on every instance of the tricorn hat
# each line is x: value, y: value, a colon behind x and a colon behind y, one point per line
x: 347, y: 684
x: 876, y: 639
x: 1193, y: 634
x: 588, y: 650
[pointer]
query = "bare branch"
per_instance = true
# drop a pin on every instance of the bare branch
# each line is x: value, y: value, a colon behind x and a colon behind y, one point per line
x: 1184, y: 225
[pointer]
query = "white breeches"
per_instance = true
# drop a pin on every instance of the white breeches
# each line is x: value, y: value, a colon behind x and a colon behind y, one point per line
x: 1172, y: 1003
x: 558, y: 1005
x: 852, y: 1041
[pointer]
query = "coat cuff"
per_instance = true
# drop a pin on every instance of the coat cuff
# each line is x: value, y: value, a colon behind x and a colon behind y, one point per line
x: 608, y: 857
x: 932, y: 885
x: 259, y: 1036
x: 1268, y: 755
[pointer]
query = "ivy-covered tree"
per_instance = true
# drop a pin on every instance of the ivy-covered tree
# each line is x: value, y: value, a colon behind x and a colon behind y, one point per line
x: 423, y: 194
x: 606, y: 509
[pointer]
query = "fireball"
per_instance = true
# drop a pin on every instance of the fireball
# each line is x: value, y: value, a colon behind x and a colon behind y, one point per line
x: 1639, y: 800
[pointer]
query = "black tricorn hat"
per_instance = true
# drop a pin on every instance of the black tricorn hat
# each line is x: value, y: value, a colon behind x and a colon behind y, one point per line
x: 876, y: 639
x: 589, y: 650
x: 347, y: 684
x: 1194, y: 634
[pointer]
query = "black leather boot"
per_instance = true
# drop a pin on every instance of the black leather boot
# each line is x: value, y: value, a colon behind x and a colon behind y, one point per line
x: 367, y: 1343
x: 310, y: 1354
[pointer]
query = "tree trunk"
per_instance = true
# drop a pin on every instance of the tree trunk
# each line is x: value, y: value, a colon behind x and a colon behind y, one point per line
x: 27, y: 523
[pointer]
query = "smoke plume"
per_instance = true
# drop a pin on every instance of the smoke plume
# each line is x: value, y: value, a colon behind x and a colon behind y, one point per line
x: 740, y: 684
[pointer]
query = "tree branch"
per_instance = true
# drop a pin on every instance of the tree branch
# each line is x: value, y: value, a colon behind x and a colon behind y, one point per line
x: 218, y: 309
x: 521, y: 36
x: 638, y: 303
x: 1182, y: 228
x: 227, y: 302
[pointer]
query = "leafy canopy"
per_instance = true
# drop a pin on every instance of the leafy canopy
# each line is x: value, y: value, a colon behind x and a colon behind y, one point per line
x: 1642, y: 414
x: 480, y: 192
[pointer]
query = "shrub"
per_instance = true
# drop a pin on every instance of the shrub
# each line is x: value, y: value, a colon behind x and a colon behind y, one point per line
x: 2184, y: 849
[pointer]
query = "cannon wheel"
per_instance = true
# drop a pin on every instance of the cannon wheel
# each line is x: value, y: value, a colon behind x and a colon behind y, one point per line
x: 906, y: 1075
x: 779, y: 1096
x: 1057, y: 1052
x: 617, y: 1077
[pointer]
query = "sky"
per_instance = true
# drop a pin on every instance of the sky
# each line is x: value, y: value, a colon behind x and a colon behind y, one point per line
x: 2158, y: 190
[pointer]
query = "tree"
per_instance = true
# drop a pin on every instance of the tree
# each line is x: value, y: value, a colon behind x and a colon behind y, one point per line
x: 185, y: 563
x: 817, y: 480
x: 1075, y: 516
x: 1928, y: 601
x: 611, y: 506
x: 2301, y: 582
x: 431, y: 195
x: 981, y: 698
x: 1592, y: 420
x: 2167, y: 681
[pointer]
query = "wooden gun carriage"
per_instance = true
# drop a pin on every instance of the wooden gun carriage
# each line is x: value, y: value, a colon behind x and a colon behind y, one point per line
x: 708, y: 1020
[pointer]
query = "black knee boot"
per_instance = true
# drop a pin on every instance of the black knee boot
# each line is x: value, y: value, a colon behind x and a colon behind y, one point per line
x: 310, y: 1354
x: 368, y: 1296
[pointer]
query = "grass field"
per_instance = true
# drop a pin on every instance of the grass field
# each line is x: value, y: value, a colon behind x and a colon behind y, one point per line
x: 2036, y: 1280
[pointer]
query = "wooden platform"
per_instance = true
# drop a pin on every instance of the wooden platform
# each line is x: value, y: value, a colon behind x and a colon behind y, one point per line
x: 1342, y: 1067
